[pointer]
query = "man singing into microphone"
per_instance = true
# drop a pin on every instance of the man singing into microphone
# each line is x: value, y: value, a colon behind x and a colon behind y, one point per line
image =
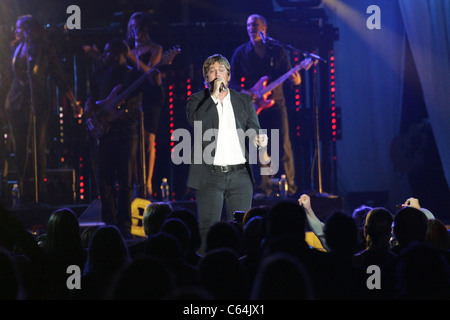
x: 256, y: 59
x: 228, y: 177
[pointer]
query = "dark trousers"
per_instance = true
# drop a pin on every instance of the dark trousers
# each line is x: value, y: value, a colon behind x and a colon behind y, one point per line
x: 232, y: 188
x: 115, y: 159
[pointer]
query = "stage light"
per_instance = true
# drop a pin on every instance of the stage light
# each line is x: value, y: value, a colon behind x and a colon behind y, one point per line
x: 335, y: 113
x: 188, y: 87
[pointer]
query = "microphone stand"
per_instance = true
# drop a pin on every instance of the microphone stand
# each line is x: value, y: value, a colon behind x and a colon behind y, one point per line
x: 316, y: 58
x: 143, y: 152
x: 143, y: 166
x: 33, y: 114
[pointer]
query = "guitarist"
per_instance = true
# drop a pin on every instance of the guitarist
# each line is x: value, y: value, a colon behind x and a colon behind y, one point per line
x: 117, y: 147
x: 254, y: 60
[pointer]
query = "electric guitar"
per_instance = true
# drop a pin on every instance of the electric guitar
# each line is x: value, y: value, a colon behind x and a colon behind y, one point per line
x: 261, y: 91
x: 111, y: 109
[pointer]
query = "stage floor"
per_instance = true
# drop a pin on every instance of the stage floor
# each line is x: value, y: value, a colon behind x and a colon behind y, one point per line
x: 36, y: 215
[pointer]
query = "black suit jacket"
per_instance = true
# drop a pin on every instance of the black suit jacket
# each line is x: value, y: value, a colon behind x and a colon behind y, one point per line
x: 201, y: 107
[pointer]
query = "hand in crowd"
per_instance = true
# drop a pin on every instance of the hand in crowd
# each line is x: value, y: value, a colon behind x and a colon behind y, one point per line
x: 412, y: 202
x: 305, y: 202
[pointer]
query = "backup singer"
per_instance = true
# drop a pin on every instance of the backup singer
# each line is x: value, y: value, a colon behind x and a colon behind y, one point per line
x: 33, y: 61
x: 146, y: 54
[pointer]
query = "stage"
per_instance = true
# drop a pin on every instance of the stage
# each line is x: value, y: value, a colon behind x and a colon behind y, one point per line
x: 34, y: 217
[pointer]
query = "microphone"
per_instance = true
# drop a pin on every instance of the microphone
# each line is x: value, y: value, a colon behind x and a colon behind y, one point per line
x: 263, y: 38
x: 221, y: 88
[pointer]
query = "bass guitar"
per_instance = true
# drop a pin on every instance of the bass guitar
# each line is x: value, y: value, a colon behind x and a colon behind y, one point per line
x: 261, y: 91
x: 111, y: 109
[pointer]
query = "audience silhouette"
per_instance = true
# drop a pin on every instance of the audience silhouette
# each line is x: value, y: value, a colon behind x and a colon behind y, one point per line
x: 153, y: 218
x: 223, y: 234
x: 254, y: 212
x: 222, y: 274
x: 437, y: 234
x: 188, y: 217
x: 359, y: 215
x: 252, y: 239
x: 422, y: 273
x: 285, y: 224
x: 282, y: 277
x: 178, y: 229
x: 264, y: 257
x: 410, y: 224
x: 107, y: 256
x: 64, y: 248
x: 377, y: 234
x: 144, y: 278
x: 10, y: 279
x: 344, y: 279
x: 165, y: 247
x: 30, y: 259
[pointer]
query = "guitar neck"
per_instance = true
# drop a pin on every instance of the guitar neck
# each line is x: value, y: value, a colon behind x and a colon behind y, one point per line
x: 166, y: 59
x: 281, y: 79
x: 124, y: 94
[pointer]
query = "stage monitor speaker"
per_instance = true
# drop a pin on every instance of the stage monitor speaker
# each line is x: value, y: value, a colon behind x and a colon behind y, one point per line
x: 92, y: 216
x: 60, y: 185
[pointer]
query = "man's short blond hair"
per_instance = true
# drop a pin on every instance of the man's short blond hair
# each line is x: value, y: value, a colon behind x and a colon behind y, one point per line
x: 213, y: 59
